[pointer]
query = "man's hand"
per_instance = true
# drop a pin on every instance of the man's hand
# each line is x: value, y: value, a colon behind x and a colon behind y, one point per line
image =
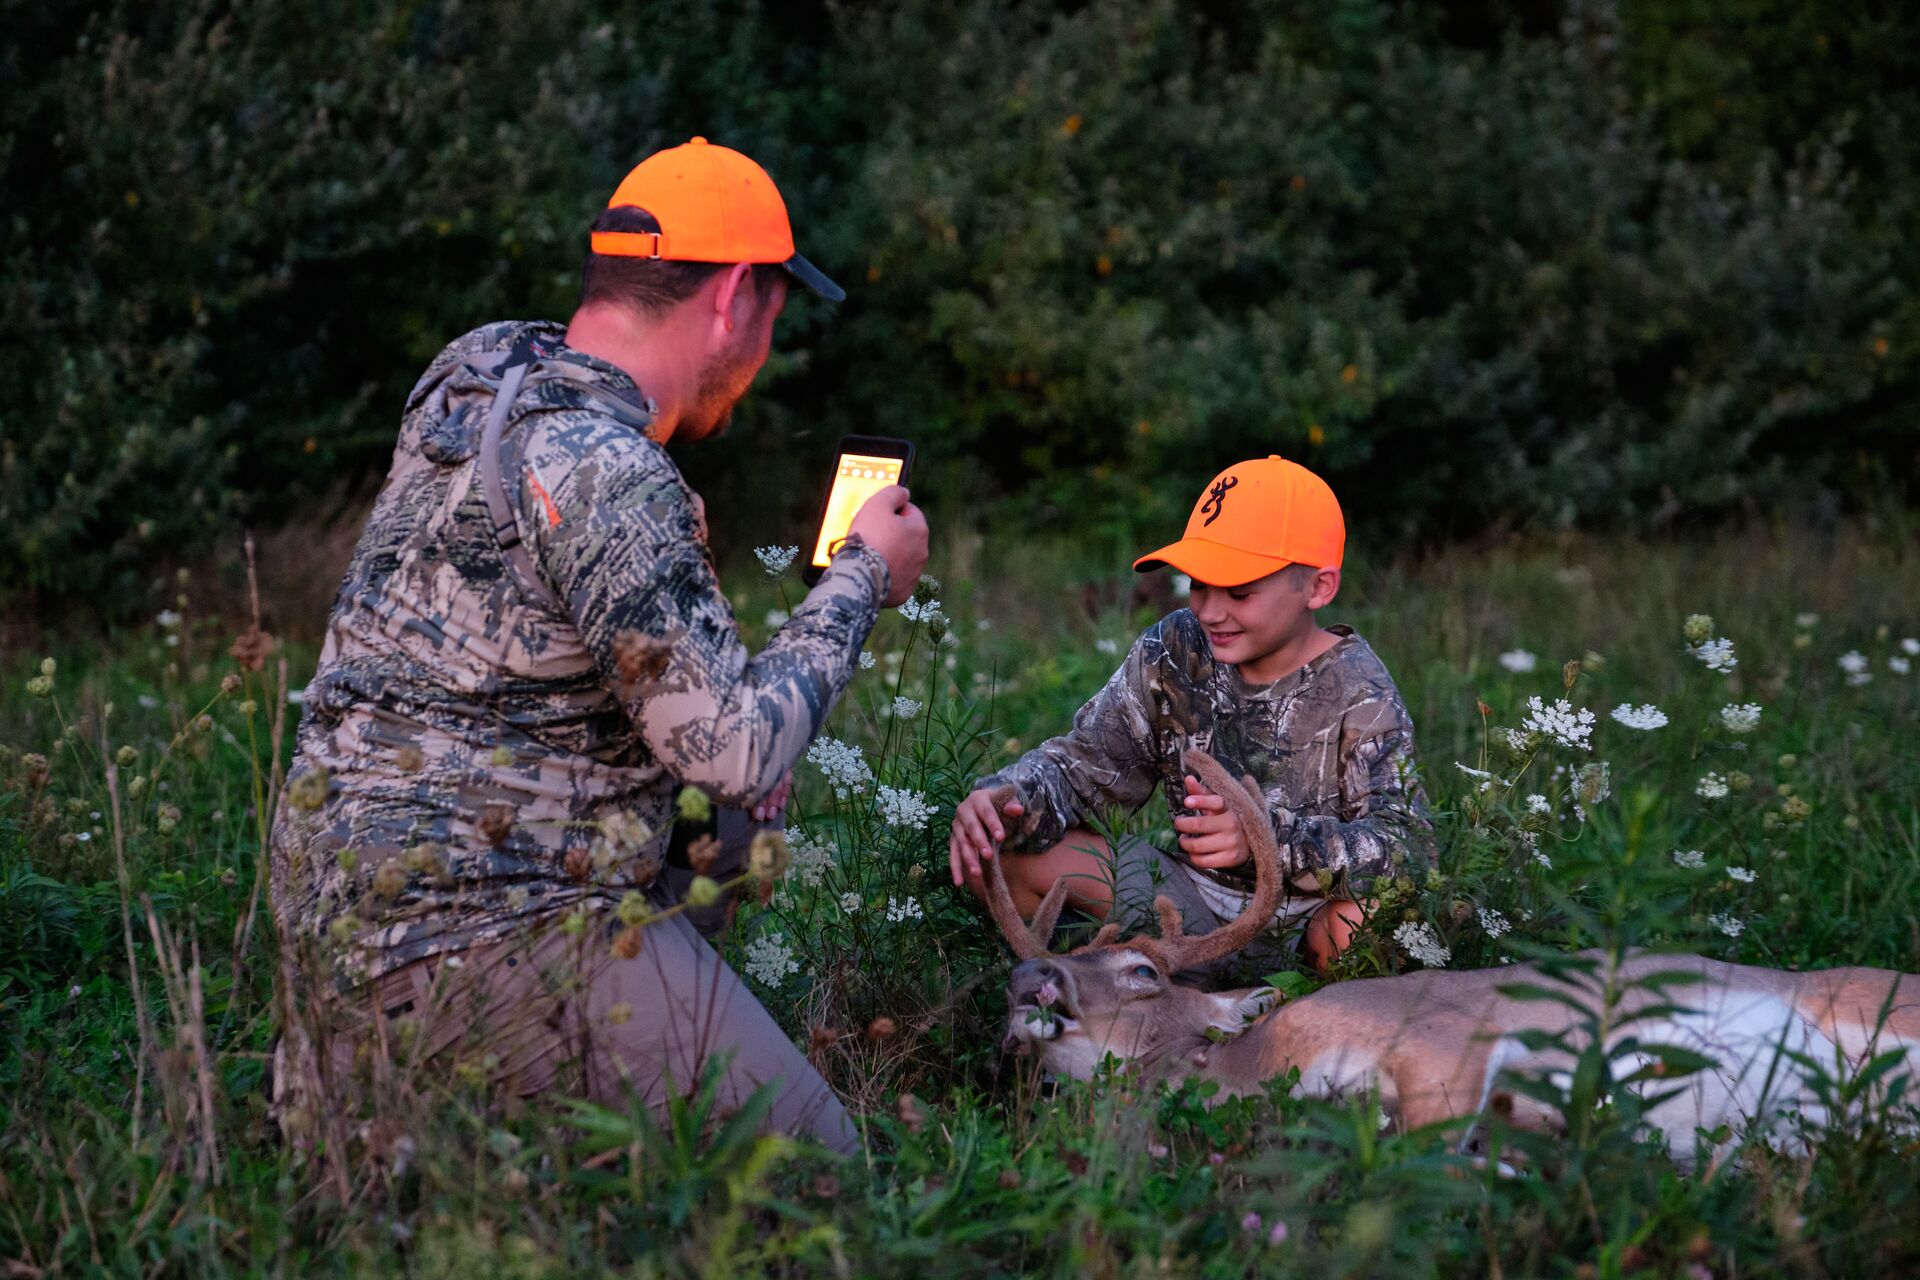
x: 979, y: 827
x: 775, y: 802
x: 890, y: 524
x: 1212, y: 837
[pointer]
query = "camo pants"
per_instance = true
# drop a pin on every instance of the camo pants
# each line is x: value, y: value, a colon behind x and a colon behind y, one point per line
x: 553, y: 1012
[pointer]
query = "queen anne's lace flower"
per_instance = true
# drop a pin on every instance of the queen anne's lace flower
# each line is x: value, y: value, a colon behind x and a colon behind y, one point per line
x: 906, y: 708
x: 777, y: 617
x: 915, y: 611
x: 845, y: 767
x: 809, y: 860
x: 775, y: 559
x: 867, y: 660
x: 1711, y: 787
x: 1691, y: 859
x: 901, y: 910
x: 1560, y: 722
x: 1417, y: 939
x: 1806, y: 621
x: 1717, y: 654
x: 1899, y: 666
x: 1745, y: 875
x: 770, y: 961
x: 900, y: 807
x: 1740, y: 717
x: 1107, y: 645
x: 1537, y: 803
x: 1855, y: 664
x: 1645, y: 716
x: 849, y: 902
x: 1493, y: 922
x: 1731, y: 925
x: 1518, y: 661
x: 1910, y: 646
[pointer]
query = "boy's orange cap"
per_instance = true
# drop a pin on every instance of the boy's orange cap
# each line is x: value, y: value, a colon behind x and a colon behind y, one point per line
x: 1256, y: 518
x: 713, y: 205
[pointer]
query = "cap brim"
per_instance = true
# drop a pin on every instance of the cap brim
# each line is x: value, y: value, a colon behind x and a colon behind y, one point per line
x: 812, y: 277
x: 1211, y: 563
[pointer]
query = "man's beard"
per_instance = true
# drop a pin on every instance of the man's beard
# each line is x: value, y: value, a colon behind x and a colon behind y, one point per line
x: 723, y: 383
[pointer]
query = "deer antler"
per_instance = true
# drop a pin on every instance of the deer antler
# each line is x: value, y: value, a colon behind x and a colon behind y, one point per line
x: 1173, y: 949
x: 1027, y: 940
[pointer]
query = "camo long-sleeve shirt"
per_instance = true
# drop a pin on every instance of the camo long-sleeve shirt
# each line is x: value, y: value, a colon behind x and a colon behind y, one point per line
x: 1331, y: 745
x: 471, y: 759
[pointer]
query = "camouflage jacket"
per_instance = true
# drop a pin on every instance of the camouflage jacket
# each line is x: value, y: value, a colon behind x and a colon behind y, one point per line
x: 1331, y: 745
x: 469, y: 759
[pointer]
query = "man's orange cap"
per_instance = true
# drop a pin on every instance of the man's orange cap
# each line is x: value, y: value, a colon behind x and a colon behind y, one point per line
x: 713, y: 205
x: 1257, y: 518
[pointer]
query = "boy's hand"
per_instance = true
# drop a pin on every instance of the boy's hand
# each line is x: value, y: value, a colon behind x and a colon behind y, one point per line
x: 979, y: 826
x: 1212, y: 837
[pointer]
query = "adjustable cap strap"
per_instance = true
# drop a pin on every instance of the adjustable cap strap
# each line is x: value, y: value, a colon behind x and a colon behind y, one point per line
x: 506, y: 529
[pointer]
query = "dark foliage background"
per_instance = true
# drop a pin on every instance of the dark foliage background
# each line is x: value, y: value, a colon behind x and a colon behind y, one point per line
x: 1484, y: 264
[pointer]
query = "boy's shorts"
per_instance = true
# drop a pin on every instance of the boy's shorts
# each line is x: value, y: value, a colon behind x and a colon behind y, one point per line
x: 1143, y: 870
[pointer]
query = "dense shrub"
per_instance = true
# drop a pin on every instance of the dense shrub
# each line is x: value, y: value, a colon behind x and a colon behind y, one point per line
x: 1480, y: 270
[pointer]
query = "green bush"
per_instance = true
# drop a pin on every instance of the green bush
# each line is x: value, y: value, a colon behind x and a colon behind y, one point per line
x: 1480, y: 267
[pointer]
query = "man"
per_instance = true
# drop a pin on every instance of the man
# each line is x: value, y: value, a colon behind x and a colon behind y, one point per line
x: 530, y: 656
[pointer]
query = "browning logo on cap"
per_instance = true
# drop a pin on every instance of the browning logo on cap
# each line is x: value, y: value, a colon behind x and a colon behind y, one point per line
x: 1217, y: 499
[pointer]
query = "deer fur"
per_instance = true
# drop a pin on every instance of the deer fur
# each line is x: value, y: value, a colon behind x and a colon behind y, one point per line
x: 1436, y: 1045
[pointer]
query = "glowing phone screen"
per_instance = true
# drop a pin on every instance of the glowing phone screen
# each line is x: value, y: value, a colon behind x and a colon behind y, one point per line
x: 859, y: 478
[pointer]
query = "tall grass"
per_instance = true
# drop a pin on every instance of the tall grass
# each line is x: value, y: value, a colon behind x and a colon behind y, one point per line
x: 137, y: 990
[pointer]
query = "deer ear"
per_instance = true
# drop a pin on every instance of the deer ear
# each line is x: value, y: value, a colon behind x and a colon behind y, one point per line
x: 1233, y: 1010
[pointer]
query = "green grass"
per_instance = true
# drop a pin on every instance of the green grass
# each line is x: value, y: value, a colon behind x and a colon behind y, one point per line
x: 111, y: 1163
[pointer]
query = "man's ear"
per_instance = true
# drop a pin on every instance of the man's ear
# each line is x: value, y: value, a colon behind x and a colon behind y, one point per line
x: 1326, y: 585
x: 1233, y: 1010
x: 733, y: 300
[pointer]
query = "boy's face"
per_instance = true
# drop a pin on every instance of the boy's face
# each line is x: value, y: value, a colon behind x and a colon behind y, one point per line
x: 1247, y: 623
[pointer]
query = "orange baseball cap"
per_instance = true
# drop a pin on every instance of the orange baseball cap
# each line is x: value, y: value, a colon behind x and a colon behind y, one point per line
x: 713, y: 205
x: 1257, y: 518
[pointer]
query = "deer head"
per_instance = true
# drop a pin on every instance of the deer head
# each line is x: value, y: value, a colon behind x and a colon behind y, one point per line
x: 1115, y: 996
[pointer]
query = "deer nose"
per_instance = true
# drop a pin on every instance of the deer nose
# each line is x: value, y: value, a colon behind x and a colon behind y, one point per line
x: 1030, y: 975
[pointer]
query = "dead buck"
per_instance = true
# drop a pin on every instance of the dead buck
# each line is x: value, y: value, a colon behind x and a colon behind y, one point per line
x: 1435, y: 1043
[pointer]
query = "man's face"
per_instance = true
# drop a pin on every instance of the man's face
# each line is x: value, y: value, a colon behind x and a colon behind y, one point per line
x: 1246, y: 623
x: 730, y: 369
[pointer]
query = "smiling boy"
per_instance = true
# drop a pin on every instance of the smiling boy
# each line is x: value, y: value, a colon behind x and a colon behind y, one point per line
x: 1247, y: 674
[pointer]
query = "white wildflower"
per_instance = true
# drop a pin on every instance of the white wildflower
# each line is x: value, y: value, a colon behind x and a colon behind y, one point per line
x: 73, y: 992
x: 1899, y: 666
x: 1691, y: 859
x: 900, y: 807
x: 1806, y: 621
x: 1644, y: 716
x: 775, y: 559
x: 1543, y: 859
x: 849, y: 902
x: 1731, y: 925
x: 1182, y: 584
x: 1740, y: 717
x: 1537, y: 803
x: 906, y: 708
x: 1515, y: 739
x: 770, y: 961
x: 1560, y: 722
x: 1493, y: 922
x: 167, y: 619
x: 776, y: 617
x: 867, y: 660
x: 1711, y: 787
x: 1910, y: 647
x: 1487, y: 780
x: 914, y: 611
x: 147, y: 701
x: 845, y: 767
x: 1107, y: 645
x: 901, y: 910
x: 1717, y: 654
x: 1417, y: 939
x: 1745, y: 875
x: 84, y: 836
x: 296, y: 696
x: 809, y: 860
x: 1854, y: 662
x: 1518, y: 661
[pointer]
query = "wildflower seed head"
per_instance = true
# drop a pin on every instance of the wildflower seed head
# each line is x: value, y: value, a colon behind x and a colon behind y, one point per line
x: 1593, y: 783
x: 496, y: 823
x: 126, y: 757
x: 702, y: 891
x: 167, y: 820
x: 776, y: 559
x: 633, y: 908
x: 501, y: 757
x: 34, y: 770
x: 768, y: 856
x: 927, y: 589
x: 137, y: 785
x: 575, y: 924
x: 48, y: 666
x: 410, y: 758
x: 1788, y: 761
x: 703, y: 853
x: 308, y: 790
x: 344, y: 929
x: 1739, y: 780
x: 937, y: 628
x: 628, y: 942
x: 1740, y: 717
x: 882, y: 1028
x: 347, y: 859
x: 578, y: 864
x: 1697, y: 629
x: 230, y: 684
x: 40, y: 686
x: 389, y: 880
x: 620, y: 1014
x: 693, y: 804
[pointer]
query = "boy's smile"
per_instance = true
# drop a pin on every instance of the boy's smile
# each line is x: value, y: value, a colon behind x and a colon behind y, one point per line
x: 1266, y: 627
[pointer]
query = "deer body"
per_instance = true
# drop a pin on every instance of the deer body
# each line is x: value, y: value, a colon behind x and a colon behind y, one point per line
x: 1435, y: 1044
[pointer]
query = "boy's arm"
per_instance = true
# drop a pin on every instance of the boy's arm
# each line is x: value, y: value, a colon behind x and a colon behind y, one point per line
x: 1104, y: 760
x: 1383, y: 825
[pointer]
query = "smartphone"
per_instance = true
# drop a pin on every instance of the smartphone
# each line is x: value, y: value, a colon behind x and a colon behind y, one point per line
x: 863, y: 466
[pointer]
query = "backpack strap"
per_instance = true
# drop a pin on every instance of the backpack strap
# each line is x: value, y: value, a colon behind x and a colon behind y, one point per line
x: 506, y: 530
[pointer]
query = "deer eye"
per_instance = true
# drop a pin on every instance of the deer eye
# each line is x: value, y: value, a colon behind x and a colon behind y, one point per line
x: 1146, y: 973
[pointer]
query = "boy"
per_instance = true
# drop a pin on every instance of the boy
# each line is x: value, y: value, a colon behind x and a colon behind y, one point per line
x: 1246, y: 674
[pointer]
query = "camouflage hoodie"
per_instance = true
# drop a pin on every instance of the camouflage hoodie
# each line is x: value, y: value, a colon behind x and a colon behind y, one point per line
x: 470, y: 759
x: 1331, y: 745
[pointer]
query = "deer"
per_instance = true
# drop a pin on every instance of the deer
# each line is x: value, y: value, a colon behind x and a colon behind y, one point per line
x: 1446, y: 1046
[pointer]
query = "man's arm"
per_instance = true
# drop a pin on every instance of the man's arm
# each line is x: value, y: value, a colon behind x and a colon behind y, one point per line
x: 623, y: 547
x: 1105, y: 760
